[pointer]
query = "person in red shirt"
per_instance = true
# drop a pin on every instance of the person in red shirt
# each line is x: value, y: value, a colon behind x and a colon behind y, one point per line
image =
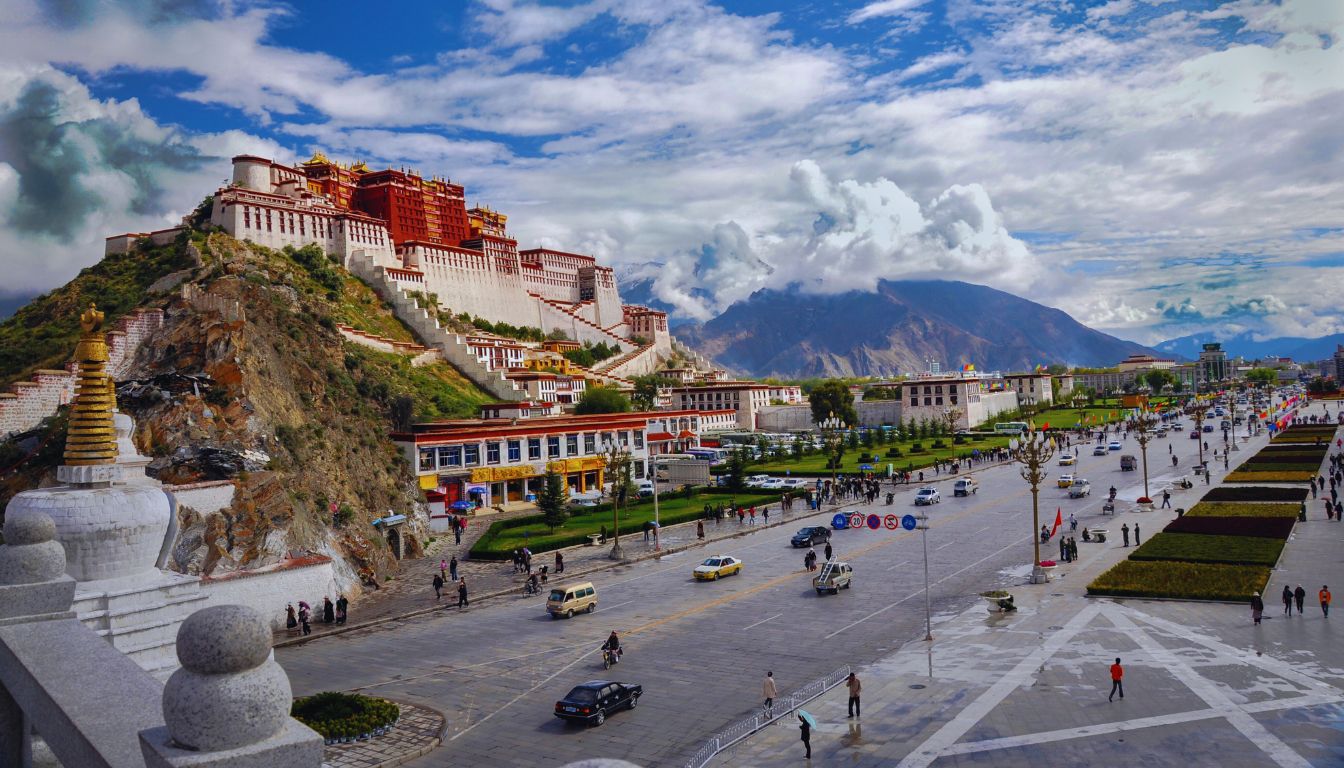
x: 1117, y: 675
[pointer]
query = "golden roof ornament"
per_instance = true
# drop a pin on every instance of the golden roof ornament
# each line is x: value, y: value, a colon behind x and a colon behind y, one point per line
x: 92, y: 438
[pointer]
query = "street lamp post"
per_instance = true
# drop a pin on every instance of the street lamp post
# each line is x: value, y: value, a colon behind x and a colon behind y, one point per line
x: 1033, y: 451
x: 1143, y: 426
x: 1199, y: 413
x: 831, y: 428
x: 1080, y: 404
x: 1232, y: 422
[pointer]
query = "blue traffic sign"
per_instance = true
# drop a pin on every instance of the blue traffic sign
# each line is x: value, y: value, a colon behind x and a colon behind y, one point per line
x: 840, y: 522
x: 874, y: 522
x: 908, y: 522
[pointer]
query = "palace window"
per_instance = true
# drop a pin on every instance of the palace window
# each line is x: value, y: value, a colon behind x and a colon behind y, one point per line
x: 472, y: 454
x: 590, y: 443
x: 639, y: 438
x: 533, y: 448
x: 553, y: 447
x: 426, y: 459
x: 268, y: 219
x: 515, y: 451
x: 450, y: 457
x: 571, y: 445
x: 492, y: 453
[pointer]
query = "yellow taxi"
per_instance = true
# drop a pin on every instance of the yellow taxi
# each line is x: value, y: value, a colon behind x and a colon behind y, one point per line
x: 716, y: 567
x: 1064, y: 481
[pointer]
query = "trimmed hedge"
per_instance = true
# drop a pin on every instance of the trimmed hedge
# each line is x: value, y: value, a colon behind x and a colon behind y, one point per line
x: 1184, y: 581
x: 338, y: 715
x: 1277, y: 459
x: 1243, y: 509
x: 1279, y: 476
x: 1255, y: 493
x: 1265, y: 527
x: 1200, y: 548
x: 1256, y: 466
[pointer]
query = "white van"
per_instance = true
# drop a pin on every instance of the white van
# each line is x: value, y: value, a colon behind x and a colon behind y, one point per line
x: 571, y: 599
x: 965, y: 486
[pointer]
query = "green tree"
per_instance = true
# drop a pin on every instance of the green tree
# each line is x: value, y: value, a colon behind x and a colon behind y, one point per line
x: 868, y: 439
x: 1322, y: 386
x: 832, y: 398
x: 1262, y: 377
x: 853, y: 438
x: 736, y: 469
x: 909, y: 432
x: 1158, y: 380
x: 552, y: 500
x: 602, y: 400
x: 645, y: 397
x: 798, y: 447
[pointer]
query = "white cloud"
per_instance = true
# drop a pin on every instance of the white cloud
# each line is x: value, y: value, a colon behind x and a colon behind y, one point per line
x: 883, y: 8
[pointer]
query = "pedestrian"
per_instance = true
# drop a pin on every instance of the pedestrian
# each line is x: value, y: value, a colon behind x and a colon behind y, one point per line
x: 1300, y: 596
x: 342, y: 609
x: 1117, y: 678
x: 806, y: 731
x: 1073, y: 522
x: 438, y: 586
x: 559, y: 562
x: 1324, y: 595
x: 1073, y: 549
x: 700, y: 529
x: 452, y: 567
x: 1166, y: 499
x: 329, y: 609
x: 1136, y: 534
x: 303, y: 618
x: 1287, y: 600
x: 765, y: 515
x: 828, y: 551
x: 443, y: 568
x: 458, y: 525
x: 1063, y: 549
x: 854, y: 687
x: 1257, y: 607
x: 462, y: 593
x: 1124, y: 532
x: 769, y: 690
x: 1339, y: 510
x: 291, y: 622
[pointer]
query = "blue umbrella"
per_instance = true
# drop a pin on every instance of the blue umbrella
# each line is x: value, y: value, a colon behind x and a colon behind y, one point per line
x: 463, y: 504
x: 811, y: 721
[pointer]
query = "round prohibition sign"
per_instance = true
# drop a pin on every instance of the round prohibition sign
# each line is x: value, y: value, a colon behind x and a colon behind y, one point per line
x: 856, y: 520
x: 874, y: 522
x: 892, y: 522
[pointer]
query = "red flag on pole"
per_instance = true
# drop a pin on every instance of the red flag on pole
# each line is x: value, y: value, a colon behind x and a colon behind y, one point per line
x: 1059, y: 520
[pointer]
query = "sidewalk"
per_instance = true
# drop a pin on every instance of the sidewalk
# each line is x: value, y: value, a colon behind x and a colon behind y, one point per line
x: 1205, y: 686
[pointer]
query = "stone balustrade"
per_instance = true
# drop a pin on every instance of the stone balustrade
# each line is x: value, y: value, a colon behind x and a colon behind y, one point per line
x: 95, y: 708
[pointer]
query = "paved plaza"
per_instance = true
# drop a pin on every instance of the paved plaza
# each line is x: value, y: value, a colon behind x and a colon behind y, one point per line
x: 1016, y: 689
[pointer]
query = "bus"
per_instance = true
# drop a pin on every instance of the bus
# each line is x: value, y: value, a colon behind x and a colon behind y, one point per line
x: 1010, y: 427
x: 712, y: 455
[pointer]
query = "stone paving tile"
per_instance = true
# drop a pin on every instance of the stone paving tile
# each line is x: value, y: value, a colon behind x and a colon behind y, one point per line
x: 418, y: 731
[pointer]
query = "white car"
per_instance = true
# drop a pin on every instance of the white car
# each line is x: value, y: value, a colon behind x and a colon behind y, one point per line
x: 1067, y: 460
x: 1177, y: 426
x: 757, y: 479
x: 926, y: 496
x: 1100, y: 450
x: 774, y: 483
x: 1079, y: 489
x: 1114, y: 446
x: 797, y: 482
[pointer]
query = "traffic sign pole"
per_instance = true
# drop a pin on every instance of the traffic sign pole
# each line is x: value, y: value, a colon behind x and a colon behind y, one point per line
x: 928, y: 614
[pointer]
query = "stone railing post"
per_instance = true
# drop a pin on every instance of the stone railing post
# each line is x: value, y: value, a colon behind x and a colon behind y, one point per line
x: 229, y: 703
x: 33, y: 587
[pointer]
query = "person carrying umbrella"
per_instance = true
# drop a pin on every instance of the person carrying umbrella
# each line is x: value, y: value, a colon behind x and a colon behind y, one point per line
x: 806, y: 722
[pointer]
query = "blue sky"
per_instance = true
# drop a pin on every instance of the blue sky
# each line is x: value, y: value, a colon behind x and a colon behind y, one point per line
x: 1152, y: 168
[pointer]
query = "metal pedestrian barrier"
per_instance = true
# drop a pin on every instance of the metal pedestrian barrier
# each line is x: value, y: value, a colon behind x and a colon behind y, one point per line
x: 782, y: 707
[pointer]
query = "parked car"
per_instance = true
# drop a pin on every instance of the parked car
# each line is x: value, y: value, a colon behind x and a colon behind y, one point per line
x: 1080, y: 488
x: 1114, y: 446
x: 1194, y: 435
x: 1128, y: 463
x: 591, y: 701
x: 757, y: 479
x: 1064, y: 481
x: 926, y: 496
x: 811, y: 536
x: 965, y: 486
x: 1067, y: 460
x: 717, y: 567
x: 834, y: 577
x: 645, y: 488
x: 1100, y: 450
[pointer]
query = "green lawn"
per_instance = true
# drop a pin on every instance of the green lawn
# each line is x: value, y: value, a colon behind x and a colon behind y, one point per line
x: 1200, y: 548
x: 815, y: 464
x: 1182, y: 581
x: 530, y: 531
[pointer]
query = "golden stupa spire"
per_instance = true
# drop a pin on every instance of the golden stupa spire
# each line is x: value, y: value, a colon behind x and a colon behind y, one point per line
x: 92, y: 438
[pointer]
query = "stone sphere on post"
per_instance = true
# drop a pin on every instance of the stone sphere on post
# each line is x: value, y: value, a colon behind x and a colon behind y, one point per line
x: 31, y: 554
x: 228, y: 693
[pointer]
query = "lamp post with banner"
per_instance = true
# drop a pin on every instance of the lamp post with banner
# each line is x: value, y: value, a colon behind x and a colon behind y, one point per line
x: 1033, y: 451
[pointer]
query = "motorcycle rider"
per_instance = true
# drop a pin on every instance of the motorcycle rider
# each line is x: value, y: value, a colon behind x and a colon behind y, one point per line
x: 1112, y: 493
x: 613, y: 646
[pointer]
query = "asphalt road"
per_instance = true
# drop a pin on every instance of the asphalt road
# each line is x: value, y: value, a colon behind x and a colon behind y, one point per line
x: 701, y: 650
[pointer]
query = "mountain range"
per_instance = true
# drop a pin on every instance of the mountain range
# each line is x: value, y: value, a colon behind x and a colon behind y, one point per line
x: 1249, y: 345
x: 896, y: 329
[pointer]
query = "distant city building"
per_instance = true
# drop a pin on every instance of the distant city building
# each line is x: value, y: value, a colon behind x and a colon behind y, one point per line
x: 1337, y: 363
x: 744, y: 397
x: 1212, y: 363
x: 1031, y: 385
x: 1145, y: 363
x: 975, y: 399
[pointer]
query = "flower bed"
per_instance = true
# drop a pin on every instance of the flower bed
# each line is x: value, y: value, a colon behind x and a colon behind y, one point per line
x: 345, y: 717
x: 1185, y: 581
x: 1275, y: 476
x: 1256, y: 493
x: 1243, y: 509
x: 1199, y: 548
x: 1265, y: 527
x: 1300, y: 439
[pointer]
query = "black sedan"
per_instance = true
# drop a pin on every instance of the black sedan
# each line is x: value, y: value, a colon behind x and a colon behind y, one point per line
x: 811, y: 535
x: 591, y: 701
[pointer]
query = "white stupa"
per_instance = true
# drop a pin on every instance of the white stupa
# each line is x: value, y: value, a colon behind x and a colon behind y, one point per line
x: 116, y: 523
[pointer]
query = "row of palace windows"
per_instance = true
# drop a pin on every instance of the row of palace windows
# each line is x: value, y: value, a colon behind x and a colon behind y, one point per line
x: 493, y: 452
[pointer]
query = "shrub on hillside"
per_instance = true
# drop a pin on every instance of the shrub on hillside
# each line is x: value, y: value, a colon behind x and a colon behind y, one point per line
x: 1255, y: 493
x: 1184, y: 581
x: 1265, y: 527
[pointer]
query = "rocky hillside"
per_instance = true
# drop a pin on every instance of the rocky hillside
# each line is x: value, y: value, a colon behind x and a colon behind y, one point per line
x: 249, y: 380
x: 894, y: 329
